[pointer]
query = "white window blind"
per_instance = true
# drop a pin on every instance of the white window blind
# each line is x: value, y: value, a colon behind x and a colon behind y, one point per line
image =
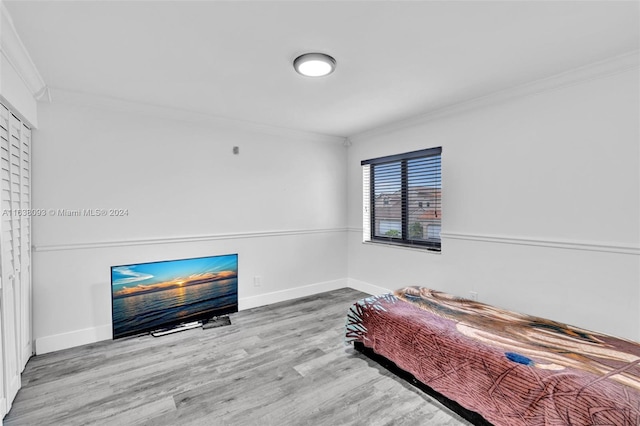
x: 366, y: 210
x: 402, y: 199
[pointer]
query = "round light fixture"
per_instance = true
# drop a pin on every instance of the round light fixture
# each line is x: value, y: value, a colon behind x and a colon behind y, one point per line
x: 314, y: 64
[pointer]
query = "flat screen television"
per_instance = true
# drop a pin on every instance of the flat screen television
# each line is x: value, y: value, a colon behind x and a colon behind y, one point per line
x: 160, y: 295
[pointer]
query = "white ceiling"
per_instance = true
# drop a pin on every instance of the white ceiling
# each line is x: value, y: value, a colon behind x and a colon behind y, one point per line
x: 395, y: 59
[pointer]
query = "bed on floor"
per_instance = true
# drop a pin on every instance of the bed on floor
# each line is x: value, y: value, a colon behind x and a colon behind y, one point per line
x: 510, y: 368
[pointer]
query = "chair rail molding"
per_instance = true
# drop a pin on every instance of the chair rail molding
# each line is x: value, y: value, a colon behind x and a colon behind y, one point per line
x: 185, y: 239
x: 607, y: 247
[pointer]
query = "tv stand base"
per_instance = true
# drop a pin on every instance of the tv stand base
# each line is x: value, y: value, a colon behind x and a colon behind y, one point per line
x: 216, y: 322
x: 176, y: 329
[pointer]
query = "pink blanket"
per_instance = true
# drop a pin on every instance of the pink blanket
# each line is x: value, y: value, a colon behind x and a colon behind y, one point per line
x: 513, y: 369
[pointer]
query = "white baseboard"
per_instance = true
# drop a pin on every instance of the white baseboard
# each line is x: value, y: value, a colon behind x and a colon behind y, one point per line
x: 85, y: 336
x: 71, y: 339
x: 288, y: 294
x: 366, y: 287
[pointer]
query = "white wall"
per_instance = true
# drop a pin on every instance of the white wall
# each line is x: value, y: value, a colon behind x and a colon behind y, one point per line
x: 541, y: 205
x: 279, y: 204
x: 540, y: 202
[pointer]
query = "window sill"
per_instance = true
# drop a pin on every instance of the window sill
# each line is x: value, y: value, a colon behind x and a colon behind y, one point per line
x: 403, y: 246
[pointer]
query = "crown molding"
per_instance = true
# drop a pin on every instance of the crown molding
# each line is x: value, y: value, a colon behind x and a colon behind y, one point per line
x: 17, y: 55
x: 125, y: 106
x: 615, y: 65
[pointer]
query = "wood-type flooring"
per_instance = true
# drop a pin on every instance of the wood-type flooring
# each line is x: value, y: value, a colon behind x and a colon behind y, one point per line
x: 282, y: 364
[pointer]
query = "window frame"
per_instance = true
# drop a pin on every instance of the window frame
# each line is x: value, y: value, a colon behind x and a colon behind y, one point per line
x: 404, y: 239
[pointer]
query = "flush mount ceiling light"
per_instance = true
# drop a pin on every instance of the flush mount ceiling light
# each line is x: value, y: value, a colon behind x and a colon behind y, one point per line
x: 314, y: 64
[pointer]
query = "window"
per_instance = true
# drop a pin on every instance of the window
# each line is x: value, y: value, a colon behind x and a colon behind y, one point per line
x: 402, y: 199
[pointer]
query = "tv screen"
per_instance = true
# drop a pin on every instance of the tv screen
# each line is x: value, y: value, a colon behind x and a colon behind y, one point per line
x: 156, y: 295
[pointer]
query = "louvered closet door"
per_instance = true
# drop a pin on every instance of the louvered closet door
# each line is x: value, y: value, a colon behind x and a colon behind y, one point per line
x: 15, y: 253
x: 19, y: 147
x: 10, y: 298
x: 26, y: 338
x: 4, y: 174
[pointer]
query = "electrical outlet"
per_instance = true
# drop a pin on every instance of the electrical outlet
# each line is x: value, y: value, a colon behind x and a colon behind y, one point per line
x: 257, y: 281
x: 473, y: 295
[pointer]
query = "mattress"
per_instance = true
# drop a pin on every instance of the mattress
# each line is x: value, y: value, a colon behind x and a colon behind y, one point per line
x: 511, y: 368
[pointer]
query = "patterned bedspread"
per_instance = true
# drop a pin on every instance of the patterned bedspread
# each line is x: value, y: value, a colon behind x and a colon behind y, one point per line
x: 511, y: 368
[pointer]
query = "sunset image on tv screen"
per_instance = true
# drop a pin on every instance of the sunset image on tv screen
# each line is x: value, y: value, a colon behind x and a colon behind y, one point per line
x: 150, y: 296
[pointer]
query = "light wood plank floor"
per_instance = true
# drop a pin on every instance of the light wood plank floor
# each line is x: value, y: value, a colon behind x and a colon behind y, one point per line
x: 283, y: 364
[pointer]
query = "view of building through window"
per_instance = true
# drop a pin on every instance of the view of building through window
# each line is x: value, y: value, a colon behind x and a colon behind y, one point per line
x: 405, y: 197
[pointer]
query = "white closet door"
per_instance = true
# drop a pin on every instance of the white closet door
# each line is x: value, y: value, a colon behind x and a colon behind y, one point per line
x: 4, y: 141
x: 10, y: 293
x: 15, y: 253
x: 19, y: 147
x: 26, y: 338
